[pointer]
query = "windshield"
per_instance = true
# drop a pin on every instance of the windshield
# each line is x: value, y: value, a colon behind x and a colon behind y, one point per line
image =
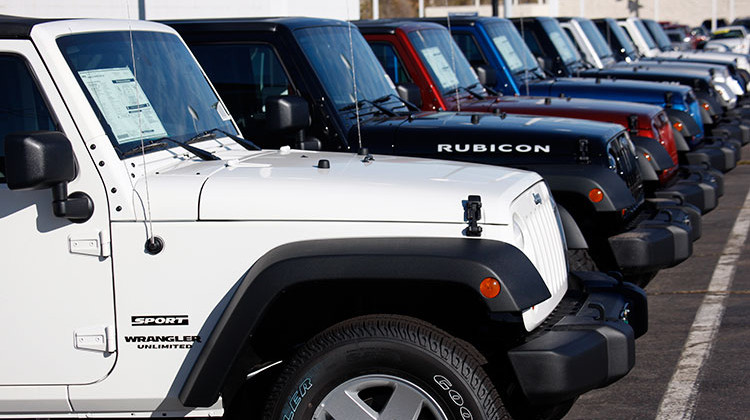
x: 613, y: 30
x: 644, y: 33
x: 562, y: 43
x: 659, y: 36
x: 444, y: 60
x: 328, y: 50
x: 165, y: 95
x: 595, y: 38
x: 512, y: 48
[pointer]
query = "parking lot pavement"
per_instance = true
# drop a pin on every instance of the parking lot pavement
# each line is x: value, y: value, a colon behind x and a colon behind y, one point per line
x: 675, y: 295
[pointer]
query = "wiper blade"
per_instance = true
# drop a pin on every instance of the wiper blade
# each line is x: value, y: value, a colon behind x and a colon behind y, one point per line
x: 144, y: 148
x: 406, y: 103
x: 359, y: 103
x: 247, y: 144
x: 163, y: 141
x: 469, y: 89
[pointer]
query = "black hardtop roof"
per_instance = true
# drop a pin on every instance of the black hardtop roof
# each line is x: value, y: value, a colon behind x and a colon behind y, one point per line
x: 18, y: 27
x: 390, y: 25
x: 270, y: 24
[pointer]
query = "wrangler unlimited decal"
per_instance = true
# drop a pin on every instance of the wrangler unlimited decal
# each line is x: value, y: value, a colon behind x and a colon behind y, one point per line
x: 163, y: 342
x: 503, y: 148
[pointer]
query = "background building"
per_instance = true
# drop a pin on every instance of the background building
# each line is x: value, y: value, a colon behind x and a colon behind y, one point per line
x: 691, y: 12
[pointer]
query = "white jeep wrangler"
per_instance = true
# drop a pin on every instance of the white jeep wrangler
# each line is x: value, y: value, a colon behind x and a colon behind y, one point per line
x: 156, y: 264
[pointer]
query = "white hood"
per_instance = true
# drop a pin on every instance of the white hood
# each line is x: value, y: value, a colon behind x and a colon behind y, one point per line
x: 289, y: 185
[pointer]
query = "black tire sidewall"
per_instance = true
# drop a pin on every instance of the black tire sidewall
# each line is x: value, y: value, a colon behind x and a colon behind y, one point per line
x: 315, y: 378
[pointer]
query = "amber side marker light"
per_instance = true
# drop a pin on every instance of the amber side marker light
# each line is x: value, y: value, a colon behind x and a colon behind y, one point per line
x: 706, y: 106
x: 678, y: 126
x: 596, y: 195
x: 489, y: 287
x: 647, y: 156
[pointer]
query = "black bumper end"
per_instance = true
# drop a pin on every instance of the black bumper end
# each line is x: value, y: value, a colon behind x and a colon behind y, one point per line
x: 585, y: 351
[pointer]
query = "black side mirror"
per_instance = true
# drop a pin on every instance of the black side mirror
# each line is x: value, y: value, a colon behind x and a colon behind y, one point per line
x: 290, y: 114
x: 287, y: 113
x: 44, y: 159
x: 487, y: 75
x: 410, y: 93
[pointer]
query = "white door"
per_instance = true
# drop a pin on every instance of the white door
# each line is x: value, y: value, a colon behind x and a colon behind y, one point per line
x: 56, y: 290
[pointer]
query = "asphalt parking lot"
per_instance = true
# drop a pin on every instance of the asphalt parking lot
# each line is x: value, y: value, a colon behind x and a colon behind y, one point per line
x: 713, y: 373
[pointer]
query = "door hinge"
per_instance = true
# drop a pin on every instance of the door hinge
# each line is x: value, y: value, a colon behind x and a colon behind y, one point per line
x: 96, y: 244
x: 97, y: 339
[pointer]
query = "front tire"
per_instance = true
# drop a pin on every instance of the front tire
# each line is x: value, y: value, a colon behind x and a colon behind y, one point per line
x: 385, y: 366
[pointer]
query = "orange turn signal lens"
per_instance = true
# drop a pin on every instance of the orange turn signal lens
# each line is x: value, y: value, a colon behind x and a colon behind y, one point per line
x: 489, y: 287
x: 596, y: 195
x: 706, y: 106
x: 678, y: 126
x: 647, y: 156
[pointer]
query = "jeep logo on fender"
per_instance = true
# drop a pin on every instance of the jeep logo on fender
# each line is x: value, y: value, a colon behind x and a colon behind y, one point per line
x: 502, y: 148
x: 162, y: 320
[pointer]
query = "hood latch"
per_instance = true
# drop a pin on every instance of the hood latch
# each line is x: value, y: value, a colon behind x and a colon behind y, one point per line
x: 472, y: 215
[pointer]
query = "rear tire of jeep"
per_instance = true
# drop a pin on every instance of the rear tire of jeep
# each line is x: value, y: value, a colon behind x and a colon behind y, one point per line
x: 384, y: 366
x: 580, y: 260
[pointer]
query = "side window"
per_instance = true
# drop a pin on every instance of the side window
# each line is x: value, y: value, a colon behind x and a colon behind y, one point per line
x: 22, y: 107
x: 468, y: 45
x: 245, y: 76
x: 391, y: 62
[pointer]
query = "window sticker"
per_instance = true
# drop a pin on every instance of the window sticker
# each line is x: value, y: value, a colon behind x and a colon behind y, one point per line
x: 509, y: 54
x: 561, y: 46
x: 440, y: 67
x: 123, y: 103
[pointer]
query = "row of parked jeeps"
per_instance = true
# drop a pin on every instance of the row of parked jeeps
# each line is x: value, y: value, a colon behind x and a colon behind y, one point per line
x: 296, y: 250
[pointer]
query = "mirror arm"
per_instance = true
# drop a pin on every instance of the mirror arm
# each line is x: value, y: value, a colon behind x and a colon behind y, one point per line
x: 77, y: 207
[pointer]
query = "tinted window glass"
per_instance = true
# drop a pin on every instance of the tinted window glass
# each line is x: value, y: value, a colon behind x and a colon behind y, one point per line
x: 562, y: 43
x: 391, y: 62
x: 516, y: 53
x: 468, y: 45
x: 22, y: 107
x: 595, y: 38
x: 255, y: 74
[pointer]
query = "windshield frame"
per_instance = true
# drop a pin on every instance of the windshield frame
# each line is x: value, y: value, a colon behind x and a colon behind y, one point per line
x: 657, y: 32
x: 99, y: 57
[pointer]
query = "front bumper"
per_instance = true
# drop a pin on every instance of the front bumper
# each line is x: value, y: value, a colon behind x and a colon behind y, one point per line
x: 589, y: 346
x: 664, y: 239
x: 702, y: 195
x: 716, y: 155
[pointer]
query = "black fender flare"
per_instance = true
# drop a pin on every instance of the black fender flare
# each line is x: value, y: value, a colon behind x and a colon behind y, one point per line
x: 690, y: 127
x: 459, y: 261
x: 574, y: 238
x: 660, y: 159
x: 580, y: 179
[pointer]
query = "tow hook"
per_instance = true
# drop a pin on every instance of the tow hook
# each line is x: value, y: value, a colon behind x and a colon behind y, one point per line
x: 625, y: 313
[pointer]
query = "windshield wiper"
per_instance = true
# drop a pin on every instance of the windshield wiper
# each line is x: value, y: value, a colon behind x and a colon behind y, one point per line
x: 469, y: 89
x: 162, y: 141
x: 359, y: 103
x: 247, y: 144
x: 407, y: 104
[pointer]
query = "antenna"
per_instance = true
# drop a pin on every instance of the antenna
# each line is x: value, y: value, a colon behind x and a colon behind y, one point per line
x: 453, y: 59
x: 151, y: 242
x: 354, y: 78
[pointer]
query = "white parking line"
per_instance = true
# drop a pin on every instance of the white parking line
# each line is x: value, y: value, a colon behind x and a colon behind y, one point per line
x: 682, y: 393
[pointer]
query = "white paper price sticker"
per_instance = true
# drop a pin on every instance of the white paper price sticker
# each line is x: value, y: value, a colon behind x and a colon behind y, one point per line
x: 123, y: 103
x: 439, y: 65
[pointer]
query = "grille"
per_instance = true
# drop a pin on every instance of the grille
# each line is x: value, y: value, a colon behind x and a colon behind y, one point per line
x: 626, y: 165
x: 543, y: 245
